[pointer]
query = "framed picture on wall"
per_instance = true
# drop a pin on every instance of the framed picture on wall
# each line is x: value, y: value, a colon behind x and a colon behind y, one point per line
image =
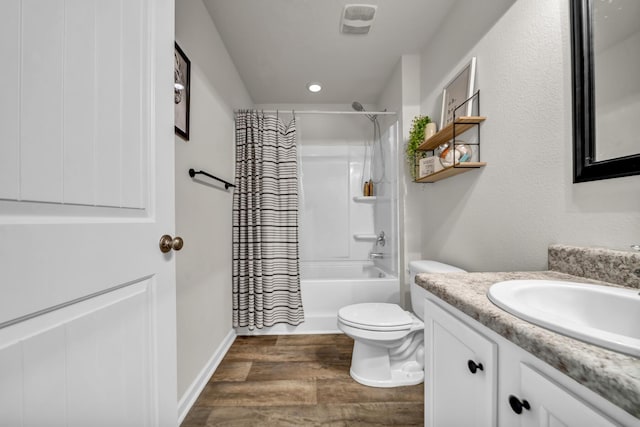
x: 181, y: 91
x: 458, y: 91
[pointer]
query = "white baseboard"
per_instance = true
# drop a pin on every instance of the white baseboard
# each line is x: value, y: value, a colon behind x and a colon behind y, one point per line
x: 189, y: 397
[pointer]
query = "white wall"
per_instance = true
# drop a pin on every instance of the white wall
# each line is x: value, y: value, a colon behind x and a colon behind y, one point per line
x: 203, y: 211
x: 503, y: 217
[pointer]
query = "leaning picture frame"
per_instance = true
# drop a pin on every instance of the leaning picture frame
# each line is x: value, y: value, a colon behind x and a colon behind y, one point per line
x: 181, y: 92
x: 457, y: 91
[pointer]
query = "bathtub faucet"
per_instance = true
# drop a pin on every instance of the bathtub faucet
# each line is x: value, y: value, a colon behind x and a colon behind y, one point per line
x: 374, y: 255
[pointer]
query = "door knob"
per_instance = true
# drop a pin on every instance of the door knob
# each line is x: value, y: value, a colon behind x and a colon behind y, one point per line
x: 167, y: 243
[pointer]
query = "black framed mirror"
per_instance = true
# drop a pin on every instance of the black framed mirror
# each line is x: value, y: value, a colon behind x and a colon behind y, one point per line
x: 591, y: 159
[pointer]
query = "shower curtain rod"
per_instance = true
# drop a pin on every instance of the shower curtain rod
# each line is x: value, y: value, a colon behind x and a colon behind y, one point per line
x: 361, y: 113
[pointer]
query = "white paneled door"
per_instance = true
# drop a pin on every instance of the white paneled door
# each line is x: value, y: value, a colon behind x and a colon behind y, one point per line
x: 87, y: 300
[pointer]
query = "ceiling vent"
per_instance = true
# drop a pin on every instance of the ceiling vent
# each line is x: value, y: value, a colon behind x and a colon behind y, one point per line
x: 358, y: 18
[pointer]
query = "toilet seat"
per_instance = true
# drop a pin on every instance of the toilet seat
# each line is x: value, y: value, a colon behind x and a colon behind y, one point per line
x: 382, y: 317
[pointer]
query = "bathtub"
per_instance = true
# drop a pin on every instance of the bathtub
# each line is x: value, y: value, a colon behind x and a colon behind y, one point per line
x: 326, y: 287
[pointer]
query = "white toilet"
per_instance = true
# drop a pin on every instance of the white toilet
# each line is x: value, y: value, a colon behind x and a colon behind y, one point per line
x: 388, y: 349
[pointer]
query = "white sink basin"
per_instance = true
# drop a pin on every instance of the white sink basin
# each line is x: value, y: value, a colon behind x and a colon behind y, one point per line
x: 601, y: 315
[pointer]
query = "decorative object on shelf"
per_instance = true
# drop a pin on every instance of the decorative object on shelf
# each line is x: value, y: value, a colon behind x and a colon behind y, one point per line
x: 455, y: 152
x: 429, y: 165
x: 416, y: 137
x: 367, y: 191
x: 430, y: 130
x: 457, y: 91
x: 181, y: 91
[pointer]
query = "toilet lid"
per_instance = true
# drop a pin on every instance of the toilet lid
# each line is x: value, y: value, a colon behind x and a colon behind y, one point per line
x: 376, y: 316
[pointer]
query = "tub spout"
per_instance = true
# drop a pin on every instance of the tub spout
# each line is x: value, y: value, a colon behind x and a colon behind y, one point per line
x: 374, y: 255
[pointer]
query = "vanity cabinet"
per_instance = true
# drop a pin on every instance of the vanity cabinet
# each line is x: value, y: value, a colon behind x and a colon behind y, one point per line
x: 511, y: 380
x: 461, y: 365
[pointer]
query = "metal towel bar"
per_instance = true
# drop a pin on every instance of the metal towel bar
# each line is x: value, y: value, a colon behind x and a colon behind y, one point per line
x: 193, y: 173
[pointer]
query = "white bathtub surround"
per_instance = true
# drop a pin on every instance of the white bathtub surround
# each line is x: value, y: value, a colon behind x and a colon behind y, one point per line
x: 330, y: 218
x: 266, y: 276
x: 337, y: 223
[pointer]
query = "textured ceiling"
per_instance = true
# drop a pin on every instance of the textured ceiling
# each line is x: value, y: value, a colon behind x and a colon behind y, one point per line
x: 279, y: 46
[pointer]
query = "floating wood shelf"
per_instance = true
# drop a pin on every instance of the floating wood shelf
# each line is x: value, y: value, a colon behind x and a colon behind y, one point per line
x: 445, y: 134
x: 459, y: 126
x: 451, y: 171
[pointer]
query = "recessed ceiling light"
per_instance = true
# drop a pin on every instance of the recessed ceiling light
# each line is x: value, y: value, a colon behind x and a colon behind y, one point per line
x: 314, y: 87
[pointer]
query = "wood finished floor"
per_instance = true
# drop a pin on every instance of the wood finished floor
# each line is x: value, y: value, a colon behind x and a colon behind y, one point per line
x: 299, y: 380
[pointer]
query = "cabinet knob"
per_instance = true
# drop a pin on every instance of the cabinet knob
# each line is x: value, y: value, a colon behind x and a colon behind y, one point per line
x: 517, y: 404
x: 473, y: 366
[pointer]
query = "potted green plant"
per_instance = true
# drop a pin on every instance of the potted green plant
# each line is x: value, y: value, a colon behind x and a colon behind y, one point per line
x: 416, y: 137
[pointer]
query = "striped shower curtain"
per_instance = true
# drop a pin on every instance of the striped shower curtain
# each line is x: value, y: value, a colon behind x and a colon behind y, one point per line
x: 266, y: 271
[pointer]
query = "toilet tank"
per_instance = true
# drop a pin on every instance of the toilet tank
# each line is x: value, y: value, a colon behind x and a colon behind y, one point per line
x: 418, y: 293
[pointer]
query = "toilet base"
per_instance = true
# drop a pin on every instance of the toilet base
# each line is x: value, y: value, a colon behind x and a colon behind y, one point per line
x: 374, y: 365
x: 398, y: 378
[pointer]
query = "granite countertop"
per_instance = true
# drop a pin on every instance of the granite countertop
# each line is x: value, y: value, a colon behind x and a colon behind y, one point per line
x: 612, y: 375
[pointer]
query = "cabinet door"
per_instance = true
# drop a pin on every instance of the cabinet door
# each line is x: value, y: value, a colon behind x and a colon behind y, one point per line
x: 553, y: 406
x: 454, y: 395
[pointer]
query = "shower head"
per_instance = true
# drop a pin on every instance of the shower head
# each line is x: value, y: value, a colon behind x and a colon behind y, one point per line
x: 358, y: 107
